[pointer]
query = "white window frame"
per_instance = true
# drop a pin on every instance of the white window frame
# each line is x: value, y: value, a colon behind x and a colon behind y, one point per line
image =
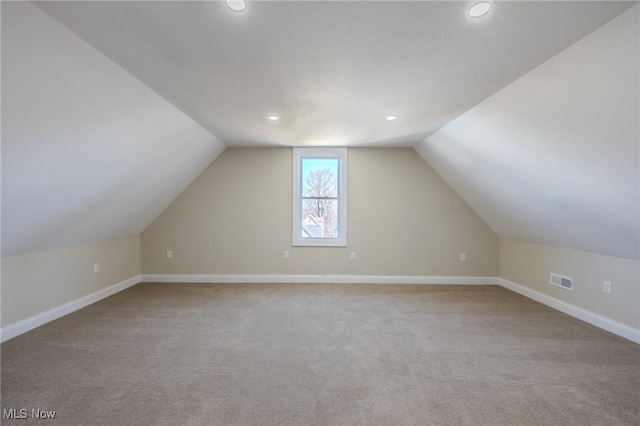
x: 318, y: 152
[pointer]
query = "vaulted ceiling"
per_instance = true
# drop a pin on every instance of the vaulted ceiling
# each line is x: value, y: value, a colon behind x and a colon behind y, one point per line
x: 88, y: 152
x: 554, y: 158
x: 332, y: 70
x: 110, y: 109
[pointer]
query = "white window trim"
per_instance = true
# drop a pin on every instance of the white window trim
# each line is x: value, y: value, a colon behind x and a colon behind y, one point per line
x: 298, y: 154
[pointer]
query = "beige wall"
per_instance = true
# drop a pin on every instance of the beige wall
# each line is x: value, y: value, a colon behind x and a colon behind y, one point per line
x: 36, y: 282
x: 236, y: 219
x: 529, y: 264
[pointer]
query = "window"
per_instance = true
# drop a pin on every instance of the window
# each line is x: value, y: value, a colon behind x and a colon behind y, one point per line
x: 319, y: 197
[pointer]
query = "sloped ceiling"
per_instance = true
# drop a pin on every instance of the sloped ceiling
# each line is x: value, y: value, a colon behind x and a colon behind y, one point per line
x: 554, y: 158
x: 93, y: 150
x: 88, y: 152
x: 332, y: 70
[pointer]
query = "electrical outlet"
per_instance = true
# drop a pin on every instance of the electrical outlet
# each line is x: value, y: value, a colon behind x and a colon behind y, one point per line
x: 96, y: 268
x: 169, y: 254
x: 353, y: 255
x: 463, y: 257
x: 286, y: 254
x: 606, y: 287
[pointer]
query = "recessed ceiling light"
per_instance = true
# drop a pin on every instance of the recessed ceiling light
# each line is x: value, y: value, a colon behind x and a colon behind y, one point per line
x: 479, y: 9
x: 274, y: 117
x: 391, y: 118
x: 237, y: 5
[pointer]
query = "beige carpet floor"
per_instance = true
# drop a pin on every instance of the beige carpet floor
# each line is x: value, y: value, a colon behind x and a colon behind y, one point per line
x: 294, y: 354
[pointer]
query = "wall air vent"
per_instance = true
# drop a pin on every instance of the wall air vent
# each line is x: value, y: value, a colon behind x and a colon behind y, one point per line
x: 561, y: 281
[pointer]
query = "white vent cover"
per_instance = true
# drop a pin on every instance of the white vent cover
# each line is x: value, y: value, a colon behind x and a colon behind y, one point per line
x: 561, y: 281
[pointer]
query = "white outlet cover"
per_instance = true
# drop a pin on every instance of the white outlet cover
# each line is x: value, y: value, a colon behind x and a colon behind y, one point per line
x: 96, y: 268
x: 463, y: 257
x: 606, y: 287
x: 169, y: 254
x: 286, y: 254
x: 353, y: 255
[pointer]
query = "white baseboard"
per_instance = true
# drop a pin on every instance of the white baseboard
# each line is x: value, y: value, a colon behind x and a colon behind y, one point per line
x: 592, y: 318
x: 12, y: 330
x: 314, y: 279
x: 612, y: 326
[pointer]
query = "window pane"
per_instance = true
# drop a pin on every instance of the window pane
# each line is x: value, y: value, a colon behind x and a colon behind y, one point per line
x: 319, y: 177
x: 319, y: 197
x: 319, y: 218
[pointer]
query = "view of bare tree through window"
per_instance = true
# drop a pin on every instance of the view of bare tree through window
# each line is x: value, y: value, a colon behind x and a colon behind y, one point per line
x: 320, y: 198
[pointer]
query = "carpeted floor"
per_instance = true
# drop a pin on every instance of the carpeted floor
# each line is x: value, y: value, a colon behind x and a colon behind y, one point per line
x: 294, y: 354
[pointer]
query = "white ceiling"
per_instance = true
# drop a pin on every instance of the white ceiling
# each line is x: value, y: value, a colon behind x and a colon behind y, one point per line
x: 332, y: 70
x: 88, y: 152
x: 554, y: 158
x: 91, y: 150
